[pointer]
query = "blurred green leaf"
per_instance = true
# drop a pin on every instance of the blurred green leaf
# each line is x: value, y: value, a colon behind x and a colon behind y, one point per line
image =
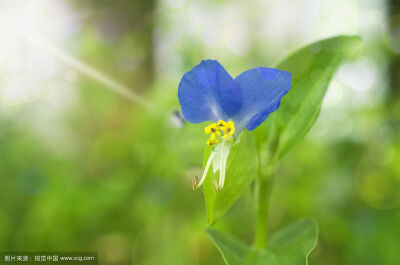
x: 293, y: 244
x: 290, y: 246
x: 232, y: 250
x: 241, y: 169
x: 312, y: 68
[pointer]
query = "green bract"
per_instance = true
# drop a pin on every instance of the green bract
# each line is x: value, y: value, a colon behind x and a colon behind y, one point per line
x: 242, y: 166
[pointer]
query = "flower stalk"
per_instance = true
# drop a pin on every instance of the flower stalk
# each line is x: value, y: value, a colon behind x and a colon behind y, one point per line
x: 263, y: 190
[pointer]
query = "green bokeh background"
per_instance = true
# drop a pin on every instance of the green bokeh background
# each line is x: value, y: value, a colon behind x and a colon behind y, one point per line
x: 83, y: 168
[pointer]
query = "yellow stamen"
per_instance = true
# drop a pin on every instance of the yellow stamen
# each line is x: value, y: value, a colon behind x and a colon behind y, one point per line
x: 226, y: 129
x: 212, y: 128
x: 222, y: 125
x: 230, y: 129
x: 211, y: 142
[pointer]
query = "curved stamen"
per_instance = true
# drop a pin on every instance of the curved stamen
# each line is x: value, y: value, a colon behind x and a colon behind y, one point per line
x: 203, y: 177
x: 225, y: 132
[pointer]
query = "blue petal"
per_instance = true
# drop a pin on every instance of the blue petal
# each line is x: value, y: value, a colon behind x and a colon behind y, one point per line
x: 208, y: 92
x: 262, y: 90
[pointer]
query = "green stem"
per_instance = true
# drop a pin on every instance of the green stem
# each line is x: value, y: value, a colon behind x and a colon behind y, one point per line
x: 262, y: 197
x: 267, y: 165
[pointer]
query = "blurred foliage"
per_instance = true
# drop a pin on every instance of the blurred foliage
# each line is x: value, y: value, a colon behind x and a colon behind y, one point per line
x: 119, y: 181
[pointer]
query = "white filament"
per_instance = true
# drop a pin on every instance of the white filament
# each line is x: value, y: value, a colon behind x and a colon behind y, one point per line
x: 225, y: 150
x: 224, y: 170
x: 221, y: 166
x: 210, y: 159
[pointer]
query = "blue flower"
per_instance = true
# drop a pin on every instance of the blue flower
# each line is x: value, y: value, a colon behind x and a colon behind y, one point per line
x: 209, y: 93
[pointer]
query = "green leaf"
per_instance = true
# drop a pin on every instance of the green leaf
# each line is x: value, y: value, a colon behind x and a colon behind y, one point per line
x: 242, y: 165
x: 294, y: 244
x: 290, y: 246
x: 232, y: 250
x: 312, y: 68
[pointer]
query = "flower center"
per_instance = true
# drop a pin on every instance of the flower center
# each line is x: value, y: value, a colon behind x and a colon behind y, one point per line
x: 222, y: 128
x: 219, y: 155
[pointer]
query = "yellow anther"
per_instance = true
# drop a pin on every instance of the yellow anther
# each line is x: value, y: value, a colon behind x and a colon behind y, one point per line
x: 231, y: 125
x: 211, y: 141
x: 227, y: 129
x: 212, y: 128
x: 212, y: 137
x: 222, y: 125
x: 230, y: 129
x: 195, y: 182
